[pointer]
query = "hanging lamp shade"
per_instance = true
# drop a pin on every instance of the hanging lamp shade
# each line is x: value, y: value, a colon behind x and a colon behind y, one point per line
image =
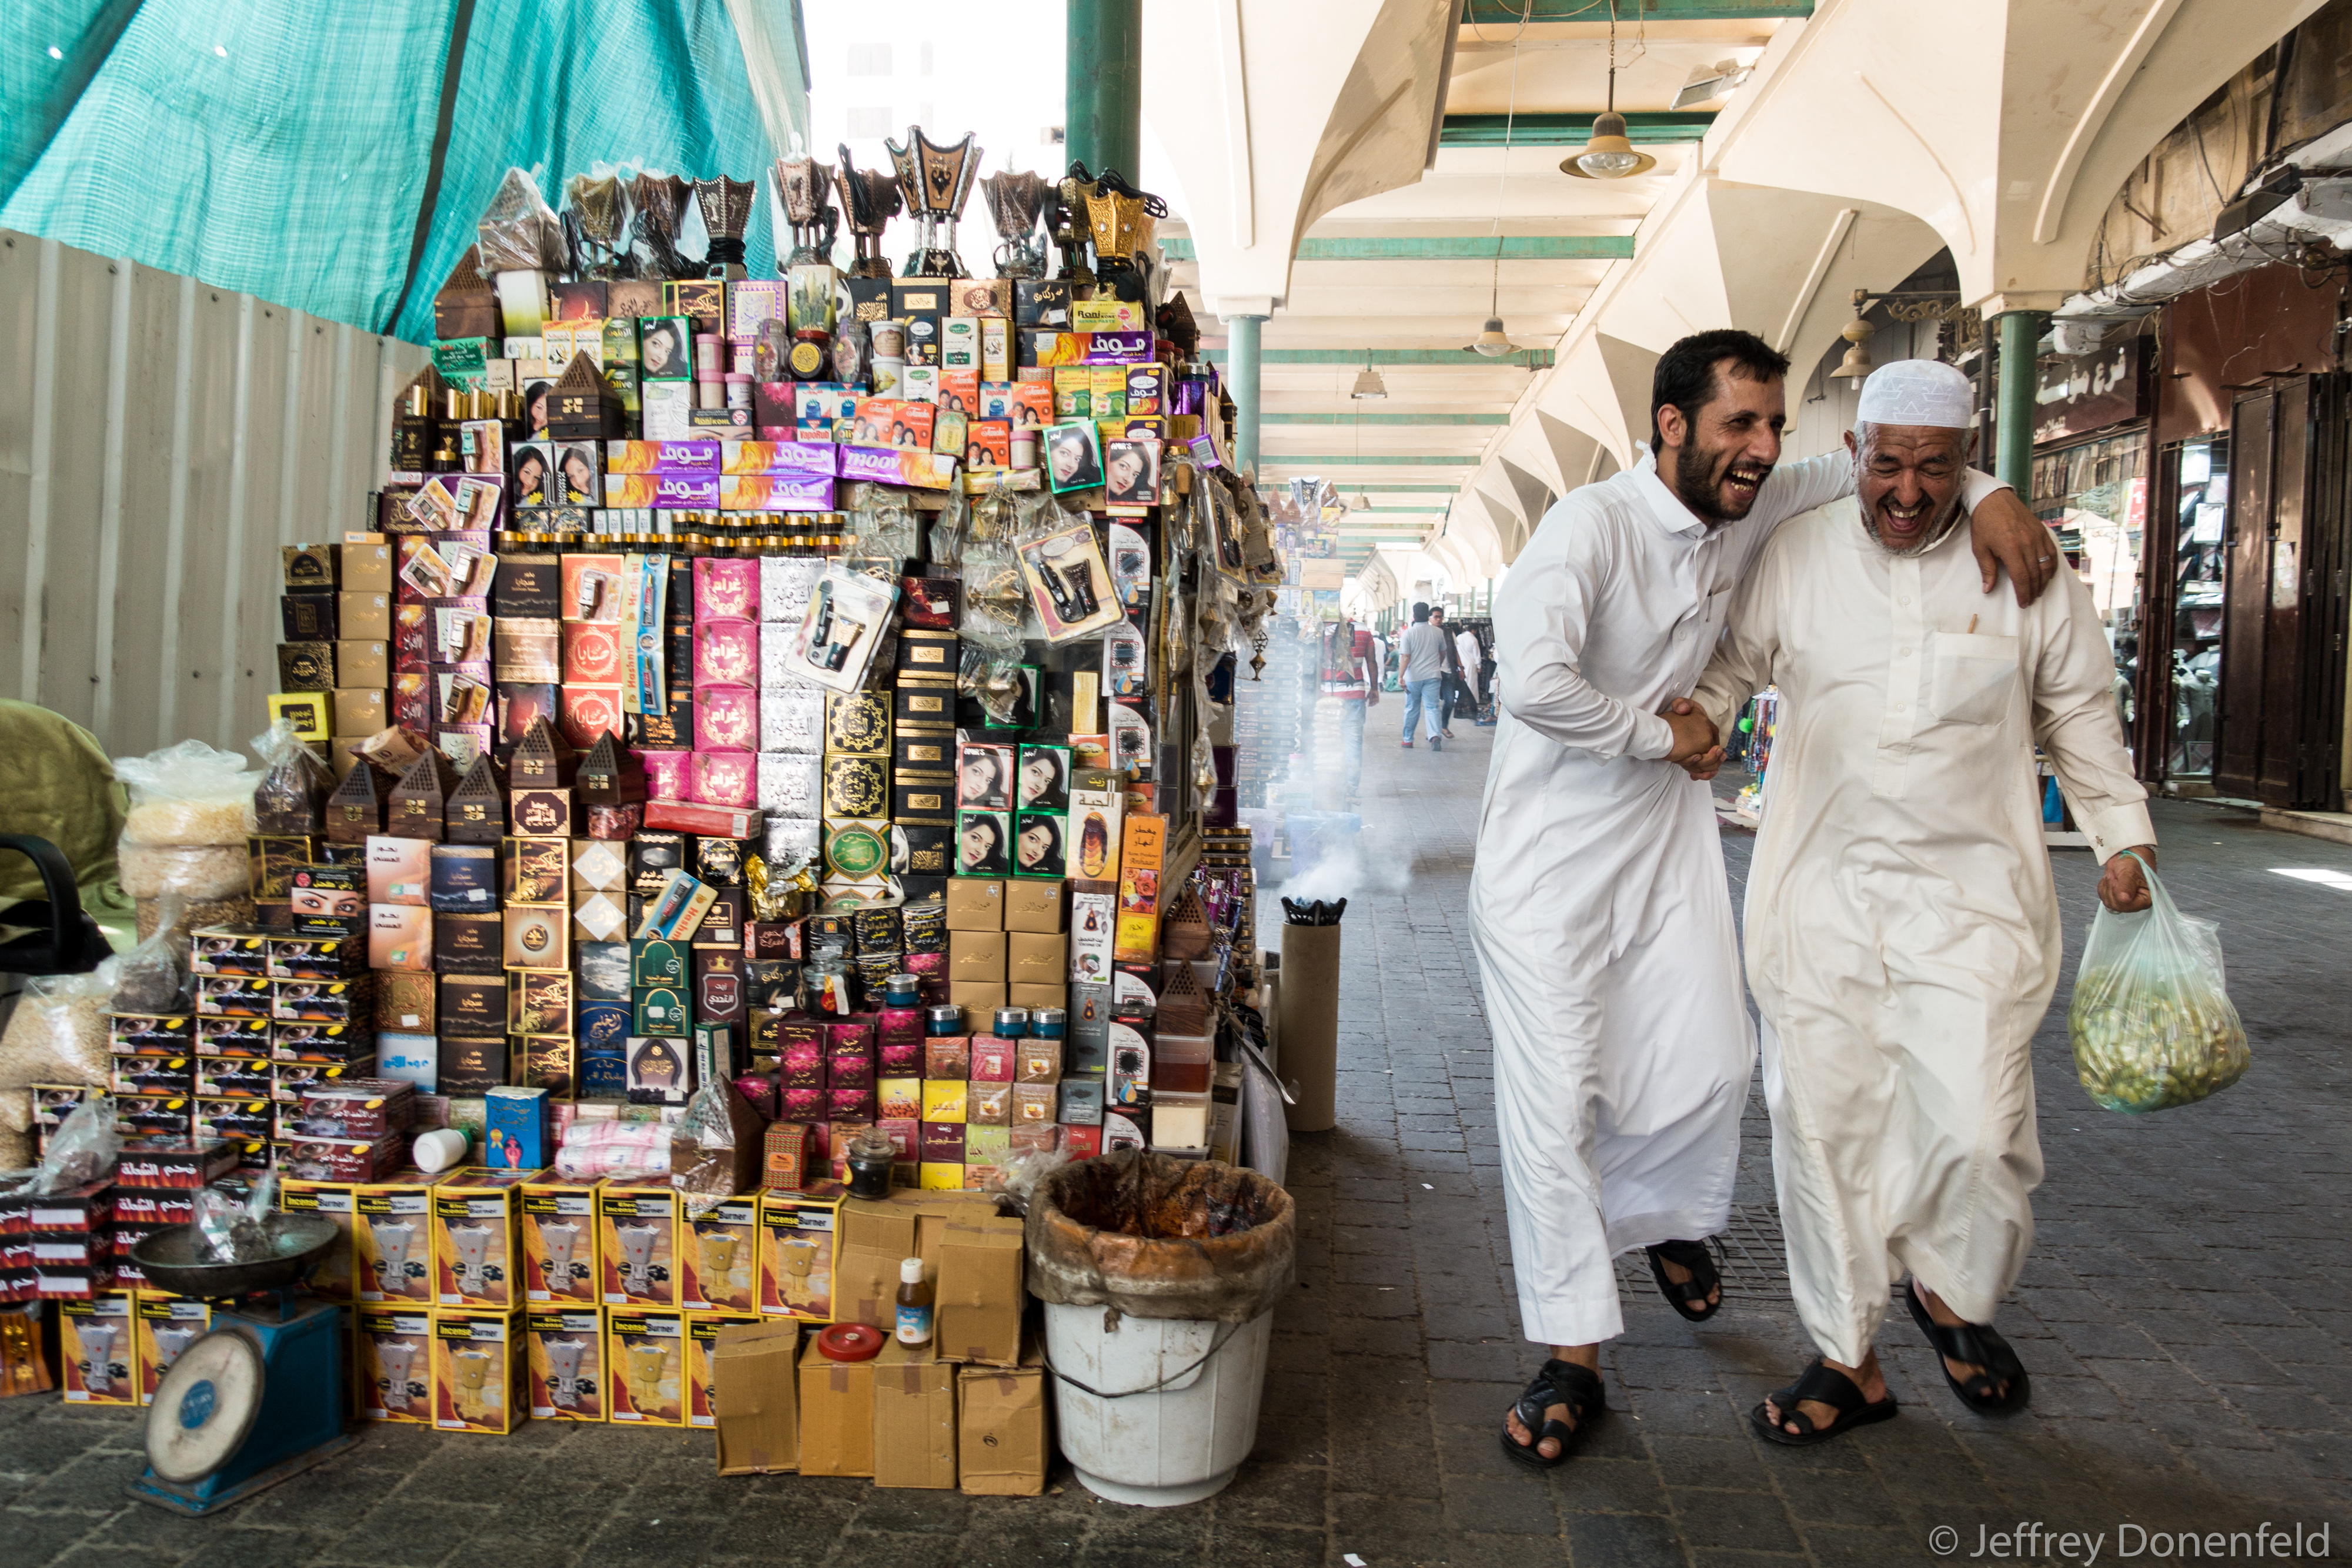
x: 1369, y: 385
x: 1492, y: 341
x: 1607, y: 154
x: 1857, y: 363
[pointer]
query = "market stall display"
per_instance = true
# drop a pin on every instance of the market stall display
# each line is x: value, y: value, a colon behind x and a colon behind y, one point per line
x: 765, y: 785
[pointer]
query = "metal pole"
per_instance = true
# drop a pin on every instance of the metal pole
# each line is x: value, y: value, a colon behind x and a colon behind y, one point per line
x: 1102, y: 85
x: 1241, y: 380
x: 2020, y: 336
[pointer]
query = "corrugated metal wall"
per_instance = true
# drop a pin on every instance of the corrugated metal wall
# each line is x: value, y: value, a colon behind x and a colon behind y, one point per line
x: 159, y: 440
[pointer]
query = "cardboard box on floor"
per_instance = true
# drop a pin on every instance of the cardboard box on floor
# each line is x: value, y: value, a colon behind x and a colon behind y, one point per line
x: 877, y: 1234
x: 836, y: 1415
x: 755, y: 1388
x: 979, y: 1297
x: 914, y: 1418
x: 1001, y: 1447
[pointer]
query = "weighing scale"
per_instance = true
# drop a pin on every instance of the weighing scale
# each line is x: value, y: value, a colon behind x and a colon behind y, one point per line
x: 261, y: 1396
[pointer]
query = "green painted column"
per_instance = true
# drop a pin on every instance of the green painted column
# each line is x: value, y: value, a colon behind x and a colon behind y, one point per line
x: 2020, y: 336
x: 1102, y: 85
x: 1241, y: 380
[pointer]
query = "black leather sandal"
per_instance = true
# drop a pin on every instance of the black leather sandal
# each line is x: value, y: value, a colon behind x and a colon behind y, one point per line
x: 1559, y: 1383
x: 1690, y: 1298
x: 1976, y: 1344
x: 1823, y: 1385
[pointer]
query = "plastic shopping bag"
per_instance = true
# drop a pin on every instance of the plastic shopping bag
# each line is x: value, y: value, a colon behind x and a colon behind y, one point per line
x: 2151, y: 1022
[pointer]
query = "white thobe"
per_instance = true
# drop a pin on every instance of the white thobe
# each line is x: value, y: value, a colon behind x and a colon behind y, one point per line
x: 1902, y: 932
x: 1597, y: 904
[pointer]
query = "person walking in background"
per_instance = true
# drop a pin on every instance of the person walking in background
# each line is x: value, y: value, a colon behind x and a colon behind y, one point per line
x: 1423, y: 656
x: 1474, y: 674
x: 1451, y: 691
x: 1351, y: 676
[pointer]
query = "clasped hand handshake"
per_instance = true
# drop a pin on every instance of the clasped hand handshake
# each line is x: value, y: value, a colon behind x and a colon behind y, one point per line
x: 1696, y: 750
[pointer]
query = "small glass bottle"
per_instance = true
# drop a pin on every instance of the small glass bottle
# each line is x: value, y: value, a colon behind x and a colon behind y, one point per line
x: 914, y: 1303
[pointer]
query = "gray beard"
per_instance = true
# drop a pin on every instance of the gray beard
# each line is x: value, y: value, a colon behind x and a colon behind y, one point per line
x: 1941, y: 532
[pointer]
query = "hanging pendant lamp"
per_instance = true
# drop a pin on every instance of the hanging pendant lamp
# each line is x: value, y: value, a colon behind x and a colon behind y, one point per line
x: 1608, y: 153
x: 1369, y: 386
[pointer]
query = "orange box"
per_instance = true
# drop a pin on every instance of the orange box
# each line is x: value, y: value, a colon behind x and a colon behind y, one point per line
x: 645, y: 1367
x: 719, y: 1258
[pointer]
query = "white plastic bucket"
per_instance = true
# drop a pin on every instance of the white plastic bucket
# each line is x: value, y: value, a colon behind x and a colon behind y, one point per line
x: 1175, y: 1444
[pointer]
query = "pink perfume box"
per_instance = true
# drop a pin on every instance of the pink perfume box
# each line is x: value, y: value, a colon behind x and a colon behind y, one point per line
x: 726, y: 719
x: 726, y: 589
x: 727, y: 652
x: 726, y: 777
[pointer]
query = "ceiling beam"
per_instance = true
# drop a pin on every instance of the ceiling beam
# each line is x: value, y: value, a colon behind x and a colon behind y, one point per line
x: 1453, y: 248
x: 1487, y: 13
x: 1650, y: 127
x: 1371, y: 459
x: 1458, y: 358
x: 1384, y: 419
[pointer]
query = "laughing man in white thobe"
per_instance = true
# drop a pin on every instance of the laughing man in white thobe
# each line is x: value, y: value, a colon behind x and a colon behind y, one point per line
x: 1902, y: 931
x: 1599, y: 906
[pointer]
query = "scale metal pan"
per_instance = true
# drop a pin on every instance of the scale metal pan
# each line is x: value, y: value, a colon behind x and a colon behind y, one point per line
x: 205, y: 1407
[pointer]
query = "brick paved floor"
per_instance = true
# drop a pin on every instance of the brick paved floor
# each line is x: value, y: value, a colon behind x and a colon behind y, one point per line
x: 2184, y: 1318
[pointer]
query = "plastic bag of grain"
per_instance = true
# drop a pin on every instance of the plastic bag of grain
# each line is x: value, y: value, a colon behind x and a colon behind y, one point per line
x: 57, y: 1033
x: 186, y: 795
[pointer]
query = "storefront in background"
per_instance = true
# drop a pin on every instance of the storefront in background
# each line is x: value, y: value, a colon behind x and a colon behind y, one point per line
x: 2238, y: 668
x: 2090, y: 483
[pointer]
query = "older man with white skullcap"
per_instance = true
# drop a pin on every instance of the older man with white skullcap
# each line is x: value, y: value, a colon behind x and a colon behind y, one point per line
x: 1902, y: 931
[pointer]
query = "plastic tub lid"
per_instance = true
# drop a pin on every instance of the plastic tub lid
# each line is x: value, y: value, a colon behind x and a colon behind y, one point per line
x: 850, y: 1342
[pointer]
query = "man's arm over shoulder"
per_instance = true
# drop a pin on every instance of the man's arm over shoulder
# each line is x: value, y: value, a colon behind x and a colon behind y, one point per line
x: 1543, y: 615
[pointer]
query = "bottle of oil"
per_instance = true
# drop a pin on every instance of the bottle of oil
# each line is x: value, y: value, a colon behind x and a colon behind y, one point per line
x: 914, y: 1303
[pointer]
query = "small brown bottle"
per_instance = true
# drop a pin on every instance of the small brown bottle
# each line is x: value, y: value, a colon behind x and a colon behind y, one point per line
x: 914, y: 1303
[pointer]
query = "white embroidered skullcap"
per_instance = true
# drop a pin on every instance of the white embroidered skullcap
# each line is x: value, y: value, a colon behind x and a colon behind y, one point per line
x: 1918, y: 391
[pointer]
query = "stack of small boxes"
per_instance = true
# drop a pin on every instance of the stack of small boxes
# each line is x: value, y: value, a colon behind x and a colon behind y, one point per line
x: 333, y: 667
x: 856, y: 796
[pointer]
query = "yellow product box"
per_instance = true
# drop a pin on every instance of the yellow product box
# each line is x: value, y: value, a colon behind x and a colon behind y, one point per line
x: 333, y: 1279
x: 944, y: 1099
x: 393, y: 1364
x: 391, y: 1239
x: 645, y: 1357
x: 719, y: 1258
x: 636, y: 1245
x: 800, y: 1241
x: 167, y: 1325
x: 481, y: 1375
x: 941, y: 1176
x: 559, y: 1241
x: 477, y: 1224
x: 566, y: 1350
x: 702, y: 1333
x: 99, y: 1343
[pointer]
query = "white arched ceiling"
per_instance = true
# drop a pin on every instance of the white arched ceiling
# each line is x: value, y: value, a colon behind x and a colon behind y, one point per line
x: 1273, y: 110
x: 2012, y: 143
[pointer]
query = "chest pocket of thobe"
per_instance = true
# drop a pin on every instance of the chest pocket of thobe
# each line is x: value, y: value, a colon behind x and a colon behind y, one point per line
x: 1973, y: 676
x: 1701, y: 647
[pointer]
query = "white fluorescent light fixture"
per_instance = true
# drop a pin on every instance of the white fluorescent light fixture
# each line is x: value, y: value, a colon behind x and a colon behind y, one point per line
x: 1708, y: 83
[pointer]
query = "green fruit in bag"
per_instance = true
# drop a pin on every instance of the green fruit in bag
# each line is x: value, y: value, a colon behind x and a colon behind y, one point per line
x: 2151, y: 1022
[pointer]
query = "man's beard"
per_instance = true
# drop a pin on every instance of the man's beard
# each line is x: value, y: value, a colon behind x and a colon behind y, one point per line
x: 1700, y: 488
x: 1935, y: 534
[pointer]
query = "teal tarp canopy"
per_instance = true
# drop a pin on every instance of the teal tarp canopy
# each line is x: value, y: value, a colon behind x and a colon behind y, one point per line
x: 336, y: 158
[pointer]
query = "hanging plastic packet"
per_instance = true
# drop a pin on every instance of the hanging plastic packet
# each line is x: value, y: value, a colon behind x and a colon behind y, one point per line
x: 848, y: 614
x: 2151, y: 1023
x: 85, y: 1148
x: 884, y: 534
x: 519, y: 231
x: 152, y: 977
x: 1062, y: 563
x: 292, y: 796
x: 947, y: 531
